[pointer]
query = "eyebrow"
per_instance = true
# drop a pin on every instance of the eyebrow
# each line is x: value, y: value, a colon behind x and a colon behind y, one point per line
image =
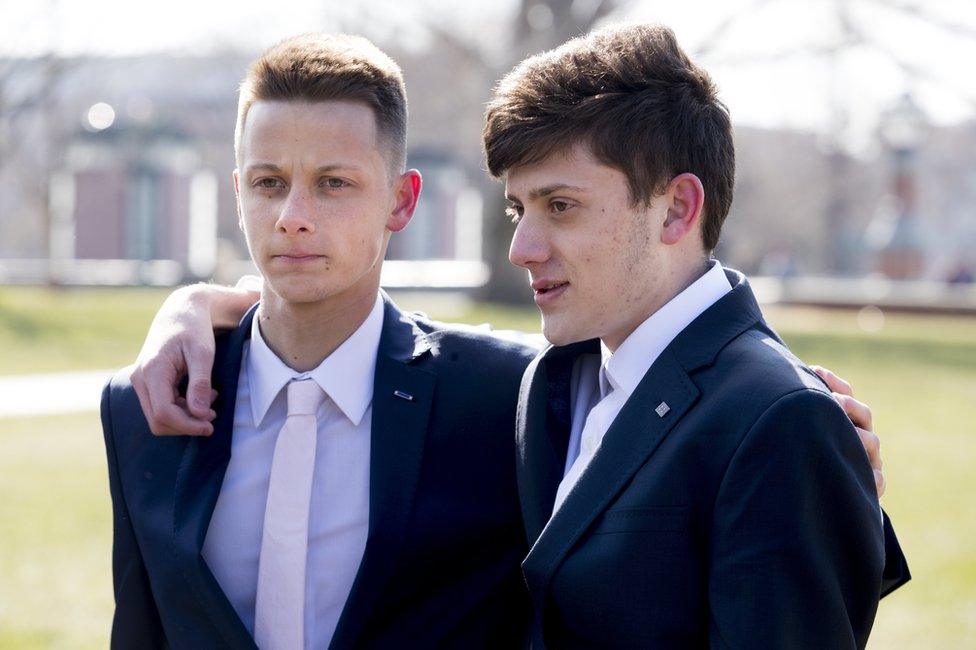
x: 541, y: 192
x: 321, y: 169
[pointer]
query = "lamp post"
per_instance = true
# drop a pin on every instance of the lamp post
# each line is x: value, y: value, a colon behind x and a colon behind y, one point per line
x: 898, y: 237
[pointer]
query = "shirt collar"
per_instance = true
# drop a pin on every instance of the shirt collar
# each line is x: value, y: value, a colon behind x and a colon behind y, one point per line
x: 627, y: 366
x: 346, y: 375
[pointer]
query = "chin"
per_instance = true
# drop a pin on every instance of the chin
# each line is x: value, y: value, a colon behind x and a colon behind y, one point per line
x: 560, y: 334
x: 298, y: 293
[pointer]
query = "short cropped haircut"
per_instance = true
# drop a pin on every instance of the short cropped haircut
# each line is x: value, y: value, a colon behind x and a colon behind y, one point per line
x: 322, y: 67
x: 635, y: 99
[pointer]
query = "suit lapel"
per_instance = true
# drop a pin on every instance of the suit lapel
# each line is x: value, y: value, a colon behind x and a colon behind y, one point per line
x: 635, y: 434
x: 543, y: 424
x: 632, y: 438
x: 198, y: 482
x: 402, y: 397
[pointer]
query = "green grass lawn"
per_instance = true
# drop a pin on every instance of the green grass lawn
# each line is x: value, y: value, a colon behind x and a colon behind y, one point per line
x: 45, y: 330
x: 918, y: 373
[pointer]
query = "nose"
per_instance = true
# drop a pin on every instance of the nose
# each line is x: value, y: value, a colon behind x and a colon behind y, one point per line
x: 529, y: 244
x: 296, y: 214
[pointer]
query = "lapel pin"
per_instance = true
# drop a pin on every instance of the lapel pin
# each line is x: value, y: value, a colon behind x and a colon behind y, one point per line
x: 402, y: 395
x: 662, y: 409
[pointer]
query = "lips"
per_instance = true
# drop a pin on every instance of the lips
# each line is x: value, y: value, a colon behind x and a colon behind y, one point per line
x: 548, y: 291
x: 297, y: 255
x: 544, y: 286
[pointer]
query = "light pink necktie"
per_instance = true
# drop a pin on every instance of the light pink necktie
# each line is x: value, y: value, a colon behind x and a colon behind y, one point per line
x: 279, y: 621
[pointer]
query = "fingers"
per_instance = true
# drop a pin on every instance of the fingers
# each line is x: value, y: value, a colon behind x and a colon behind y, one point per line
x: 180, y: 344
x: 879, y: 482
x: 199, y: 394
x: 859, y: 412
x: 834, y: 383
x: 872, y: 445
x: 168, y: 414
x: 174, y: 419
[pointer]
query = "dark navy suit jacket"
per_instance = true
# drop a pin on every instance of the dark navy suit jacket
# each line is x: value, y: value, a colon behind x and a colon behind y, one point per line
x: 743, y: 517
x: 441, y: 565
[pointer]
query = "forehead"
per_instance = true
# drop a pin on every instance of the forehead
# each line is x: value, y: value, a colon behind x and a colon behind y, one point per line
x: 301, y: 128
x: 574, y: 167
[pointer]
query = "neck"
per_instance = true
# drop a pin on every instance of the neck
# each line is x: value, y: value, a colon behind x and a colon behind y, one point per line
x: 672, y: 282
x: 302, y: 335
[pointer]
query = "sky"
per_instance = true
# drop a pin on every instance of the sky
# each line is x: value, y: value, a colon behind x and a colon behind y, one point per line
x: 770, y: 58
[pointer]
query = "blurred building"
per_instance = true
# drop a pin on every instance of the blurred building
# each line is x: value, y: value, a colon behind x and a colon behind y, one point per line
x: 118, y: 171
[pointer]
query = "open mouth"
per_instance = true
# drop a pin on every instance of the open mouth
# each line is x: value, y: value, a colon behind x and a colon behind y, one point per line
x: 548, y: 292
x: 552, y: 287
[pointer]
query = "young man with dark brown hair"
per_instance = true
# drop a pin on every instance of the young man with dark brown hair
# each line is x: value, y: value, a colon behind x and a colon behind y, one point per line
x: 439, y: 572
x: 358, y: 488
x: 686, y: 481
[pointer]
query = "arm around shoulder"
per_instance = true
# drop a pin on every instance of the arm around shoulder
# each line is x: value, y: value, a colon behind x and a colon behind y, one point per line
x: 796, y: 548
x: 180, y: 344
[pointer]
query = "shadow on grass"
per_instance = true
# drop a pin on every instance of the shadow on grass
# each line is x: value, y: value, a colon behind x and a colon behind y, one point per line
x: 25, y: 326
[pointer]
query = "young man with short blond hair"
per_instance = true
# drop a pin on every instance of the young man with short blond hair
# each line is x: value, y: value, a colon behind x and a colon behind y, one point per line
x: 358, y: 487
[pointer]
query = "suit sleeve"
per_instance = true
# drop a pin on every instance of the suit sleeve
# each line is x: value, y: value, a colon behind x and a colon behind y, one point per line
x: 896, y: 571
x: 796, y: 552
x: 136, y: 623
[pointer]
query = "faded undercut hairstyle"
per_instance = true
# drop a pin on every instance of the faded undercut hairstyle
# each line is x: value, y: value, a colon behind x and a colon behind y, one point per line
x: 322, y: 67
x: 635, y: 99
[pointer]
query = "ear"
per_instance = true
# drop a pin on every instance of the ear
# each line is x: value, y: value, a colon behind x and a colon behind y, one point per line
x: 685, y: 198
x: 237, y: 199
x: 407, y: 194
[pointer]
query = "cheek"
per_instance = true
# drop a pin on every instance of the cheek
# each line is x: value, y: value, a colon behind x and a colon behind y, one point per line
x: 247, y: 227
x: 357, y: 246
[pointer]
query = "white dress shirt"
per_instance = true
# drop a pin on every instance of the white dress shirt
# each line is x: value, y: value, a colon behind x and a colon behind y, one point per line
x: 593, y: 411
x: 339, y: 508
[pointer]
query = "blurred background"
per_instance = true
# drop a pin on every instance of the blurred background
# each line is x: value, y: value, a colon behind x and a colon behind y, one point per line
x: 855, y: 214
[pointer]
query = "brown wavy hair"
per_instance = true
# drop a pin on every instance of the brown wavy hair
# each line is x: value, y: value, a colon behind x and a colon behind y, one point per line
x: 635, y: 99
